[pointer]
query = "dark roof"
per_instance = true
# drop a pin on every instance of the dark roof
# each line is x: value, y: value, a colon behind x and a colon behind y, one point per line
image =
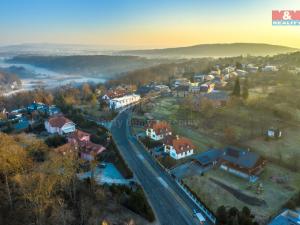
x: 217, y: 95
x: 242, y: 158
x: 208, y: 156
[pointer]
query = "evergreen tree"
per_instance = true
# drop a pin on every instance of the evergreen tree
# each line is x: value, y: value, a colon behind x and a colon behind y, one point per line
x: 237, y: 88
x: 245, y: 93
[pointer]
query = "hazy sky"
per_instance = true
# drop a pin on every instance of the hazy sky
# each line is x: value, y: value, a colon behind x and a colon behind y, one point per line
x: 144, y: 23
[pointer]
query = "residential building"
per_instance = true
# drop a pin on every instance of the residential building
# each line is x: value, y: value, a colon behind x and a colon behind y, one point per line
x: 242, y: 163
x: 287, y: 217
x: 117, y: 103
x: 241, y: 73
x: 59, y: 124
x: 158, y: 130
x: 162, y: 88
x: 181, y: 82
x: 90, y: 150
x: 217, y: 98
x: 87, y: 150
x: 208, y: 158
x: 178, y: 147
x: 274, y: 133
x: 251, y: 68
x: 199, y: 78
x: 228, y: 69
x: 269, y: 68
x: 207, y: 87
x: 113, y: 93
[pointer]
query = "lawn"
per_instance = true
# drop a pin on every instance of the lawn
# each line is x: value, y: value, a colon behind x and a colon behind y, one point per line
x: 285, y: 149
x: 167, y: 109
x: 276, y: 191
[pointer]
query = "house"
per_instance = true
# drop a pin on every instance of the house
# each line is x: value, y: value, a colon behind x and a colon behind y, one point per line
x: 87, y: 149
x: 274, y: 133
x: 287, y: 217
x: 215, y: 72
x: 207, y: 87
x: 269, y: 68
x: 242, y: 163
x: 208, y: 158
x: 53, y: 110
x: 228, y: 69
x: 59, y: 124
x: 217, y: 98
x: 117, y: 103
x: 113, y: 93
x: 158, y: 130
x: 178, y: 147
x: 79, y: 136
x: 181, y: 82
x: 251, y: 68
x: 37, y: 106
x: 162, y: 88
x: 241, y: 73
x: 199, y: 78
x: 90, y: 150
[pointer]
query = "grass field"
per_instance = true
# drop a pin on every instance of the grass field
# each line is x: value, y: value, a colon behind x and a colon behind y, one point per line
x: 275, y: 193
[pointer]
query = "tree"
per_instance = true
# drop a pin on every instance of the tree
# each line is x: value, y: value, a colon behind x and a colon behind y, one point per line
x: 245, y: 93
x: 237, y: 88
x: 239, y: 66
x: 221, y: 215
x: 86, y: 91
x: 13, y: 159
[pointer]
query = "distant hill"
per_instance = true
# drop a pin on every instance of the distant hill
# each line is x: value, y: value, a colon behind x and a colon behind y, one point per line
x: 95, y: 65
x: 214, y: 50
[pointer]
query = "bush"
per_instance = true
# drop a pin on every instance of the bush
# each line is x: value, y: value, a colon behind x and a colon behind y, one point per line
x: 55, y: 141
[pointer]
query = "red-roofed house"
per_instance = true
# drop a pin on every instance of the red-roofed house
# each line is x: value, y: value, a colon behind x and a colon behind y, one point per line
x: 158, y: 130
x: 87, y: 149
x: 110, y: 94
x: 178, y: 147
x: 59, y: 124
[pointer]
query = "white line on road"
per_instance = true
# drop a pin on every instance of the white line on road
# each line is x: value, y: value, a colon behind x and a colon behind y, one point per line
x: 140, y: 156
x: 163, y: 182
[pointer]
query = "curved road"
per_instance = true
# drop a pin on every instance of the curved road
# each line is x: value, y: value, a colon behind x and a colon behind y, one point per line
x: 170, y: 204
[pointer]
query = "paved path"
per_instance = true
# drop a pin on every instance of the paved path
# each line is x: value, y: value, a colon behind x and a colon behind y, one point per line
x: 171, y: 205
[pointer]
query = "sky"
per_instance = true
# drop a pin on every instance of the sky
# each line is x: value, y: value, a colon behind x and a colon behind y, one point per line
x: 145, y: 23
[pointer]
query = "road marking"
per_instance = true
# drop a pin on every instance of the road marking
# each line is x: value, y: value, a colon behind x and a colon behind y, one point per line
x: 163, y: 182
x: 140, y: 156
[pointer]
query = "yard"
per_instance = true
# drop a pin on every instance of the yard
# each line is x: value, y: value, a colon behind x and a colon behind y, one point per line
x: 285, y: 149
x: 278, y: 186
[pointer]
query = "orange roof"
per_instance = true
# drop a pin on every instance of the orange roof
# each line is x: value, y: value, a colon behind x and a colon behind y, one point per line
x: 180, y: 144
x: 160, y: 127
x: 58, y: 121
x: 93, y: 148
x: 115, y: 93
x: 79, y: 134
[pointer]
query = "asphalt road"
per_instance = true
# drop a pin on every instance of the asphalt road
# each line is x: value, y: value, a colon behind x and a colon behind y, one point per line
x: 170, y: 204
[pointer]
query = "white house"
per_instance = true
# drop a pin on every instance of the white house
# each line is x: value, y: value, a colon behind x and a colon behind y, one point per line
x: 117, y: 103
x: 241, y: 73
x: 178, y: 147
x: 59, y: 124
x: 158, y: 130
x: 269, y: 68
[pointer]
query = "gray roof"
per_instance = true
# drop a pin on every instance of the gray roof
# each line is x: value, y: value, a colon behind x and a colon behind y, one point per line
x: 208, y: 156
x: 217, y: 95
x: 240, y: 157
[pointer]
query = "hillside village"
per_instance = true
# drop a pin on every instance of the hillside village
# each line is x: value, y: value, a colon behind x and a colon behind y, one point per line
x: 163, y: 121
